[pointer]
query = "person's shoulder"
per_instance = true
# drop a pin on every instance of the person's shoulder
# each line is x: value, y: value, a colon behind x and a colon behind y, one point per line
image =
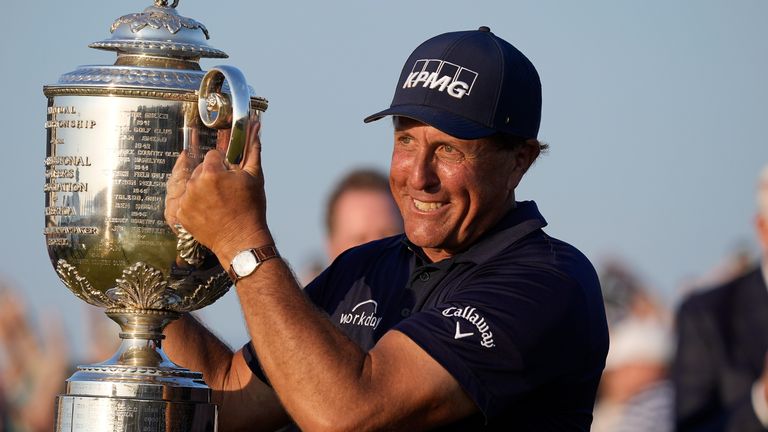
x: 719, y: 296
x: 540, y: 250
x: 535, y: 245
x: 554, y: 271
x: 545, y: 266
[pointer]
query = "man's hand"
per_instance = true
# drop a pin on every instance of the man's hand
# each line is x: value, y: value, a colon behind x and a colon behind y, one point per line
x: 224, y: 206
x: 176, y: 186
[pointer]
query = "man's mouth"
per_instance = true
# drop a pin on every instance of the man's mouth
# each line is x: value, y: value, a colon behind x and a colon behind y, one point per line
x: 426, y: 206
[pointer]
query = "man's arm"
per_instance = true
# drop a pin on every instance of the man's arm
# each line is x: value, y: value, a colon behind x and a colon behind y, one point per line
x: 245, y: 403
x: 324, y: 380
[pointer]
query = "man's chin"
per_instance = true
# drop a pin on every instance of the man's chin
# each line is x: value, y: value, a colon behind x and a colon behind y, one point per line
x: 425, y: 238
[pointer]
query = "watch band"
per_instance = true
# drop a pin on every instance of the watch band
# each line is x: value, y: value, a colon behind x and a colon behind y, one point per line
x: 261, y: 254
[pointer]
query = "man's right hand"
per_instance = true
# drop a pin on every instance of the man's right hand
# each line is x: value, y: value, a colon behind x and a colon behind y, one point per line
x: 224, y: 206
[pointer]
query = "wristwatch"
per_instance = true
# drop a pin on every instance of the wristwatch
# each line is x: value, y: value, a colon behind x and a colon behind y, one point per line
x: 247, y: 261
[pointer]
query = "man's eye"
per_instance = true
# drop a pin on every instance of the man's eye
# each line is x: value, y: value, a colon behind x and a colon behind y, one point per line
x: 405, y: 139
x: 449, y: 153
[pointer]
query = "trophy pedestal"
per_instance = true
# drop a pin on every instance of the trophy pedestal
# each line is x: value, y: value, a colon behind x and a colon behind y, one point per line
x: 135, y: 399
x: 139, y: 389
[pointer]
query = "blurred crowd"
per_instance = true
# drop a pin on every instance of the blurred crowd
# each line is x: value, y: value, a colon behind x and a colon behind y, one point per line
x: 698, y: 367
x: 35, y: 360
x: 33, y: 365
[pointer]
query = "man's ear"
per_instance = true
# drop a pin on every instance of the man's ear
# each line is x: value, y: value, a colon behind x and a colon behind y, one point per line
x: 523, y: 159
x: 526, y: 154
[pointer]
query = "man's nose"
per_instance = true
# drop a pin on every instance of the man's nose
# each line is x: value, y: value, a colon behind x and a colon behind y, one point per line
x: 423, y: 175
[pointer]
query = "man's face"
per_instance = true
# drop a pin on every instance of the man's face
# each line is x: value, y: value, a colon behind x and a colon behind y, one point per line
x: 361, y: 216
x: 761, y: 223
x: 450, y: 191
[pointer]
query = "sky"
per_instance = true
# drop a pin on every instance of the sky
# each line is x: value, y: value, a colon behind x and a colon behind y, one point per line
x: 655, y: 113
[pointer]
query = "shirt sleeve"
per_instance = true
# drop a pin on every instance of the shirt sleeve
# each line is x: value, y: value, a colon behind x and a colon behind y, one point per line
x: 504, y: 336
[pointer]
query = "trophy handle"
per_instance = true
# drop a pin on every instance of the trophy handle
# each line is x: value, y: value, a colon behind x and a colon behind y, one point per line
x: 218, y: 111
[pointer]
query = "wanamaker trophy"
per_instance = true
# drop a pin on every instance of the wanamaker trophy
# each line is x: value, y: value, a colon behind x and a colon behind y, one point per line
x: 114, y: 136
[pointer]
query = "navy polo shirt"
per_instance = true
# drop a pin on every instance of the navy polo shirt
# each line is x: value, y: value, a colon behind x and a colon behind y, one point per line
x: 517, y: 319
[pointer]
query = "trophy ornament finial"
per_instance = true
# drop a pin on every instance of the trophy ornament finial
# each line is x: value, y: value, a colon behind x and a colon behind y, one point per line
x: 158, y: 17
x: 164, y: 3
x: 160, y: 31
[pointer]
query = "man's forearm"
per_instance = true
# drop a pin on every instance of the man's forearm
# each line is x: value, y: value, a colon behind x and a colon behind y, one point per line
x: 191, y: 345
x: 304, y: 356
x: 245, y: 403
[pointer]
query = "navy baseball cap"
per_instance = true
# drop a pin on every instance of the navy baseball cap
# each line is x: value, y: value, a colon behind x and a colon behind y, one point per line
x: 469, y: 84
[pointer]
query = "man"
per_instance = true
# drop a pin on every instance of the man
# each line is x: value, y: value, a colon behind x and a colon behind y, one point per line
x: 720, y: 372
x: 474, y: 318
x: 360, y: 209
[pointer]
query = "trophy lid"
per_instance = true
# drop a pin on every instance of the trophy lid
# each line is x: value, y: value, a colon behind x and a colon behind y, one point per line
x: 160, y: 31
x: 157, y: 51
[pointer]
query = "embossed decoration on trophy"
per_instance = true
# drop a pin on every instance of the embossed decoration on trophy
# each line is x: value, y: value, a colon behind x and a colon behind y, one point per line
x: 114, y: 134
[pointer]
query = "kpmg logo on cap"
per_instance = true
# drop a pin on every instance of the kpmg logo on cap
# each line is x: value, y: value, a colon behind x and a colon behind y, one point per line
x: 443, y: 76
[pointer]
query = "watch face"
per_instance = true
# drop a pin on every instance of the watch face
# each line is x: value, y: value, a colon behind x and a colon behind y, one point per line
x: 244, y: 263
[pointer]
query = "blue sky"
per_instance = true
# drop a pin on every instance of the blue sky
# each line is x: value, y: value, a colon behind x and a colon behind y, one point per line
x: 655, y: 112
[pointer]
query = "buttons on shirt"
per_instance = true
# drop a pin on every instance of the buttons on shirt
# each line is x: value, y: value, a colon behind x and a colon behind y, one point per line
x: 405, y: 312
x: 424, y: 276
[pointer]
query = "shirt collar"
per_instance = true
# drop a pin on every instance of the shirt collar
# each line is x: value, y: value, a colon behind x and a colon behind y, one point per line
x: 522, y: 220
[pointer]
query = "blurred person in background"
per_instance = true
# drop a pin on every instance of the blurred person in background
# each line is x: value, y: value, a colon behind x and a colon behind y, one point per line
x: 720, y: 371
x: 625, y: 295
x: 635, y: 393
x: 359, y: 209
x: 739, y: 260
x: 32, y: 368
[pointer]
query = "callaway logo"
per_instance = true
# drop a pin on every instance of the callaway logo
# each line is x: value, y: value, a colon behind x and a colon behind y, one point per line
x: 459, y: 334
x: 361, y: 318
x: 441, y: 75
x: 468, y: 313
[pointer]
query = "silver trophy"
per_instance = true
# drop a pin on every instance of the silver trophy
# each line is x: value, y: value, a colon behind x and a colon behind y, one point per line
x: 112, y: 168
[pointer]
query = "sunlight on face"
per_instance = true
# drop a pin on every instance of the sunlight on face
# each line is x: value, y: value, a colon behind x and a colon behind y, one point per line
x: 449, y: 191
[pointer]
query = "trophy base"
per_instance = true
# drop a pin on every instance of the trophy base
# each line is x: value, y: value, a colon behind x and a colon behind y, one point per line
x: 110, y: 398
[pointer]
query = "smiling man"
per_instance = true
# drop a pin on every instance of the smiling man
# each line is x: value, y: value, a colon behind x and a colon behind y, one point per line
x: 474, y: 319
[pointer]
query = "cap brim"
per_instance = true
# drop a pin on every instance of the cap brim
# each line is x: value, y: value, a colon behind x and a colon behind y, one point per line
x: 445, y: 121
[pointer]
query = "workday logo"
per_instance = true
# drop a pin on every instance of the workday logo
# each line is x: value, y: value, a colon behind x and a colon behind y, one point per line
x: 442, y: 76
x: 359, y: 317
